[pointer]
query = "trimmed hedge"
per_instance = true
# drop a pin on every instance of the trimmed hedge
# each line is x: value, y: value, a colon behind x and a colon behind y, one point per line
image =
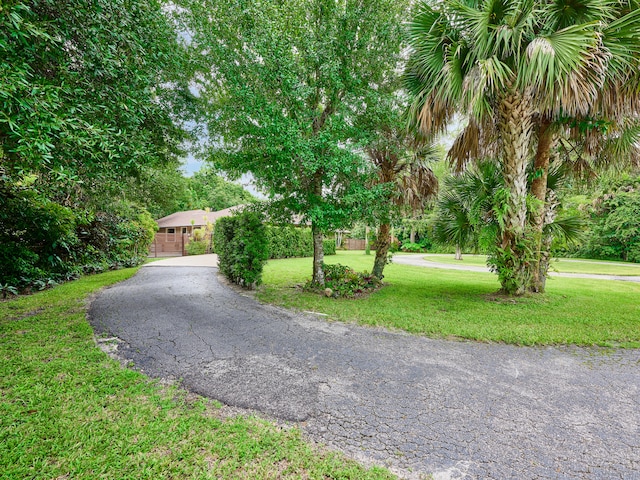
x: 242, y: 247
x: 291, y: 242
x: 329, y: 247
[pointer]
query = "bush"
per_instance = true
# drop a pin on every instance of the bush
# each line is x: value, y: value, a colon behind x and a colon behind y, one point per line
x: 119, y: 236
x: 343, y: 281
x: 289, y: 241
x: 411, y: 247
x: 37, y: 238
x: 200, y: 241
x: 196, y: 247
x: 242, y: 247
x: 43, y: 242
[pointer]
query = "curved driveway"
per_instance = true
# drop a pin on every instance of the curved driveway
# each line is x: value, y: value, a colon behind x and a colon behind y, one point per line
x: 418, y: 260
x: 416, y: 405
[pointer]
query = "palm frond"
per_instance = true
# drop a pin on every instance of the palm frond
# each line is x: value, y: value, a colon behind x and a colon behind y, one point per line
x: 476, y: 141
x: 559, y: 14
x: 622, y: 148
x: 553, y: 57
x: 620, y: 99
x: 567, y: 229
x: 622, y: 38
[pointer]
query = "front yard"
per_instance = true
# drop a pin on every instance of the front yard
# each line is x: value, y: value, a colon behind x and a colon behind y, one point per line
x: 458, y: 304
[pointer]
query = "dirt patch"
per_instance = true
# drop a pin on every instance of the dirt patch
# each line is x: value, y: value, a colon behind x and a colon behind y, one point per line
x: 32, y: 313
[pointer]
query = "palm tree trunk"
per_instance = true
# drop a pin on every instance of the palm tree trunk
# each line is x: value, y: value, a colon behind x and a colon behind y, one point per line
x: 551, y: 210
x: 382, y: 250
x: 515, y: 128
x: 458, y: 252
x: 539, y: 191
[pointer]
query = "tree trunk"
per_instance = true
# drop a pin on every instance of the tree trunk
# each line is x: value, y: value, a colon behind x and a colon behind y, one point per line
x: 318, y: 251
x: 515, y: 129
x: 551, y: 210
x: 412, y: 236
x: 539, y: 191
x: 318, y: 256
x: 367, y: 250
x: 458, y: 252
x: 382, y: 250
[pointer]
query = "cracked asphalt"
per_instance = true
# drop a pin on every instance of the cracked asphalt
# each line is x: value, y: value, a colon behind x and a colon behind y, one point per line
x: 415, y: 405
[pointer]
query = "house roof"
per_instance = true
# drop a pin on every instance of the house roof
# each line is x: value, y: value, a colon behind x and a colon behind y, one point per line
x: 194, y: 217
x: 197, y: 218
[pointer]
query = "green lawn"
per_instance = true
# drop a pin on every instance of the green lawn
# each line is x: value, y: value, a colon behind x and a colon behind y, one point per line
x: 457, y: 304
x: 69, y: 411
x: 562, y: 265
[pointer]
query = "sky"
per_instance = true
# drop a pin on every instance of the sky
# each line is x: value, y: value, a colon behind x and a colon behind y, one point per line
x: 190, y: 165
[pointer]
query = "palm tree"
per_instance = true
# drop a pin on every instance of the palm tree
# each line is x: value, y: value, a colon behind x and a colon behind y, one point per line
x: 514, y: 67
x: 405, y: 169
x: 465, y: 211
x: 469, y: 210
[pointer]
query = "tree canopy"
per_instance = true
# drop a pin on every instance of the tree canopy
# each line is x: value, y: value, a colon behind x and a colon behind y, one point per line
x: 89, y: 91
x: 90, y: 95
x: 283, y: 82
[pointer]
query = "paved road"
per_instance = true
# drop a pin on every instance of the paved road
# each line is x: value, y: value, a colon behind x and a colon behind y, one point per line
x: 416, y: 405
x: 418, y: 260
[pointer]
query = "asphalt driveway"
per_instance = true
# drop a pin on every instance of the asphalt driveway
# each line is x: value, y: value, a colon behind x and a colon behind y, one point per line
x: 417, y: 405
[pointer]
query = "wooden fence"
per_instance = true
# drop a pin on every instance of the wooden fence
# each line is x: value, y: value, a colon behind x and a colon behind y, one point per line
x: 169, y: 245
x: 353, y: 244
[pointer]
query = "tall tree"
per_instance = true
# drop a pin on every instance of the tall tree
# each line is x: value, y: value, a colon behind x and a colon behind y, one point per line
x: 283, y: 81
x: 90, y: 91
x: 89, y: 95
x: 401, y: 158
x: 513, y: 66
x: 207, y: 189
x: 403, y: 168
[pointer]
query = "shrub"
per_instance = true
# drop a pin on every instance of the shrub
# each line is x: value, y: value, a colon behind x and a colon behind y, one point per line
x: 37, y: 238
x: 343, y: 281
x: 118, y: 236
x: 242, y: 247
x: 196, y: 247
x: 411, y: 247
x: 43, y: 242
x: 289, y: 241
x: 200, y: 241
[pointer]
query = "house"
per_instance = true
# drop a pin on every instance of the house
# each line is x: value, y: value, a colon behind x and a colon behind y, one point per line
x: 174, y: 230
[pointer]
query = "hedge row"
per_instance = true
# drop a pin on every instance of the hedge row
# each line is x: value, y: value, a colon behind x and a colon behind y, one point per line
x: 43, y: 242
x: 291, y: 242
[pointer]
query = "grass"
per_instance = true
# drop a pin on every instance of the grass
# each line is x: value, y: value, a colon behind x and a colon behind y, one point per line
x: 69, y: 411
x: 562, y: 265
x: 458, y: 304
